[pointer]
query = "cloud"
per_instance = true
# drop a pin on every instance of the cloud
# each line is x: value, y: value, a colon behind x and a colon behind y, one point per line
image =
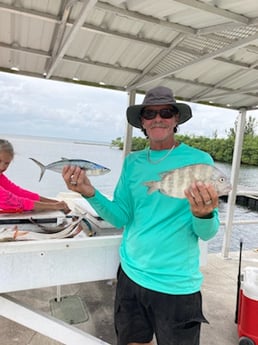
x: 50, y: 108
x: 208, y: 120
x: 32, y: 106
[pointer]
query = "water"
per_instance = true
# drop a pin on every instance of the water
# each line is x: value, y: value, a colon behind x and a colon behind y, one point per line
x: 247, y: 232
x: 26, y: 173
x: 248, y: 175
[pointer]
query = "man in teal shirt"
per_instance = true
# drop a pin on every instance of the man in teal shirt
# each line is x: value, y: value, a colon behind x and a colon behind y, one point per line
x: 159, y: 281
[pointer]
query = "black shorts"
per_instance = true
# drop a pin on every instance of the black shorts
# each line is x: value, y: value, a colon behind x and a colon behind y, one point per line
x: 140, y: 313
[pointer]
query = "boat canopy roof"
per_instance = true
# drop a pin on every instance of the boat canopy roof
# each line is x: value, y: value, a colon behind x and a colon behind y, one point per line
x: 206, y: 51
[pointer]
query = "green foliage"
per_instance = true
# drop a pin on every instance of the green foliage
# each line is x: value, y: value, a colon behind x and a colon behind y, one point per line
x: 250, y: 126
x: 118, y: 143
x: 250, y: 151
x: 139, y: 143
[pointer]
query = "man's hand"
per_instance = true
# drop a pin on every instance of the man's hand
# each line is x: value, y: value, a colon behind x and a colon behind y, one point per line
x: 203, y: 198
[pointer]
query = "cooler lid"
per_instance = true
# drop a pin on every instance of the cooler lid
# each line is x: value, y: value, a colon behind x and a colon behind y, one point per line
x: 250, y: 282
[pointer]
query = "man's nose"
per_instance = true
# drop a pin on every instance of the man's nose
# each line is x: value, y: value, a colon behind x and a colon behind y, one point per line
x: 158, y: 117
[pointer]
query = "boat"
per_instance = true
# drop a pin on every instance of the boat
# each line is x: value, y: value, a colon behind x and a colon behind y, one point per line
x: 206, y: 52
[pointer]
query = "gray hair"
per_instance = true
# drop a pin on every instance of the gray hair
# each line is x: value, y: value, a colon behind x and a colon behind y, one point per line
x: 6, y: 146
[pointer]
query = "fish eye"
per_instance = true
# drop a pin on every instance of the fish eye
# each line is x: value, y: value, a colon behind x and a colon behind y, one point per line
x: 222, y: 179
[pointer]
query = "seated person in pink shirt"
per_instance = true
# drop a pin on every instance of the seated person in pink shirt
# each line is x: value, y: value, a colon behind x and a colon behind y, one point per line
x: 16, y: 199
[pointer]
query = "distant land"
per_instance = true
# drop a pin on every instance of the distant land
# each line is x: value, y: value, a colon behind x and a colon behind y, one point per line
x: 75, y: 141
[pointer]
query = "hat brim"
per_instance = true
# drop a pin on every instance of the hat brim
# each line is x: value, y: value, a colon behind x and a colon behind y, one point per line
x: 133, y: 113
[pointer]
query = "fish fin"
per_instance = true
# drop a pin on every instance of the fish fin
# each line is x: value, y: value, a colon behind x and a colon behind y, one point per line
x: 18, y: 233
x: 64, y: 159
x: 42, y: 167
x: 161, y: 175
x: 152, y: 186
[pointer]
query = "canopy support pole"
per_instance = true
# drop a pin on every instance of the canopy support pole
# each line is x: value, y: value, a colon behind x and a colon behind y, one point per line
x: 234, y: 180
x: 129, y: 128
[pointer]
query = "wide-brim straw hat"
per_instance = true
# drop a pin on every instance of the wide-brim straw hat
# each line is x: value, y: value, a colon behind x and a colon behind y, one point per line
x: 158, y: 96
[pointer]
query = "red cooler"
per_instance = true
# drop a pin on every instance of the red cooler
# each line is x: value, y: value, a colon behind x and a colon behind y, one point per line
x: 248, y: 308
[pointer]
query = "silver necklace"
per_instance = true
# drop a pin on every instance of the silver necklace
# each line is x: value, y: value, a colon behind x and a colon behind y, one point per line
x: 160, y: 159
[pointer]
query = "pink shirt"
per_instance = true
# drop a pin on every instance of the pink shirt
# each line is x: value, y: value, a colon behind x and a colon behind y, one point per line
x: 15, y: 198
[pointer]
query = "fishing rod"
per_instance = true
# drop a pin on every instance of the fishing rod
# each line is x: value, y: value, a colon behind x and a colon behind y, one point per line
x: 238, y: 280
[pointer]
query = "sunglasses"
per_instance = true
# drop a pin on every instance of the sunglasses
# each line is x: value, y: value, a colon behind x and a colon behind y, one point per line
x: 168, y: 113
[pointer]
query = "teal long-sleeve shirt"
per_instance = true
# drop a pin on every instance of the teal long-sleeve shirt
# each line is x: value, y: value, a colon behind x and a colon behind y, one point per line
x: 159, y: 248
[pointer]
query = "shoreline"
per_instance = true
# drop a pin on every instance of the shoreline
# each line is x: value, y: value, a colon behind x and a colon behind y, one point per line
x: 53, y: 139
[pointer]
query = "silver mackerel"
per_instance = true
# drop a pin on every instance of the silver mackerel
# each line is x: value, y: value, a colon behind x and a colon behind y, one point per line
x: 91, y: 168
x: 174, y: 182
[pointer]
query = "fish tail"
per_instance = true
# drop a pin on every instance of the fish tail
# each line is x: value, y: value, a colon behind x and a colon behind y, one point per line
x: 18, y: 233
x: 42, y: 168
x: 152, y: 187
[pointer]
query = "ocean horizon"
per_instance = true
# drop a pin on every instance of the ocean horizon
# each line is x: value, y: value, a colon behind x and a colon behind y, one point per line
x: 46, y: 138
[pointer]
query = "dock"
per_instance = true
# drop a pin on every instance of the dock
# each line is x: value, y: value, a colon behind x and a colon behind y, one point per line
x: 219, y: 296
x: 246, y: 197
x: 219, y: 304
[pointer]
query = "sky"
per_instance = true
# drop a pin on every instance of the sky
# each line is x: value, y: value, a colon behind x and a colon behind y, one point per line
x: 46, y: 108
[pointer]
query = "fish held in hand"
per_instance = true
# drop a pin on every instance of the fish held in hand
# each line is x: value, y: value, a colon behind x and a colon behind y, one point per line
x: 174, y: 182
x: 91, y: 168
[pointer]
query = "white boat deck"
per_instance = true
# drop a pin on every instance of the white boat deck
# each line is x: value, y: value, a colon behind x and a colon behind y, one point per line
x: 219, y: 299
x: 33, y: 275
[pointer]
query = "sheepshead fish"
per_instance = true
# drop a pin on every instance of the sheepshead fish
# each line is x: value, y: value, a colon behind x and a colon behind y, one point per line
x: 174, y: 182
x: 91, y: 168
